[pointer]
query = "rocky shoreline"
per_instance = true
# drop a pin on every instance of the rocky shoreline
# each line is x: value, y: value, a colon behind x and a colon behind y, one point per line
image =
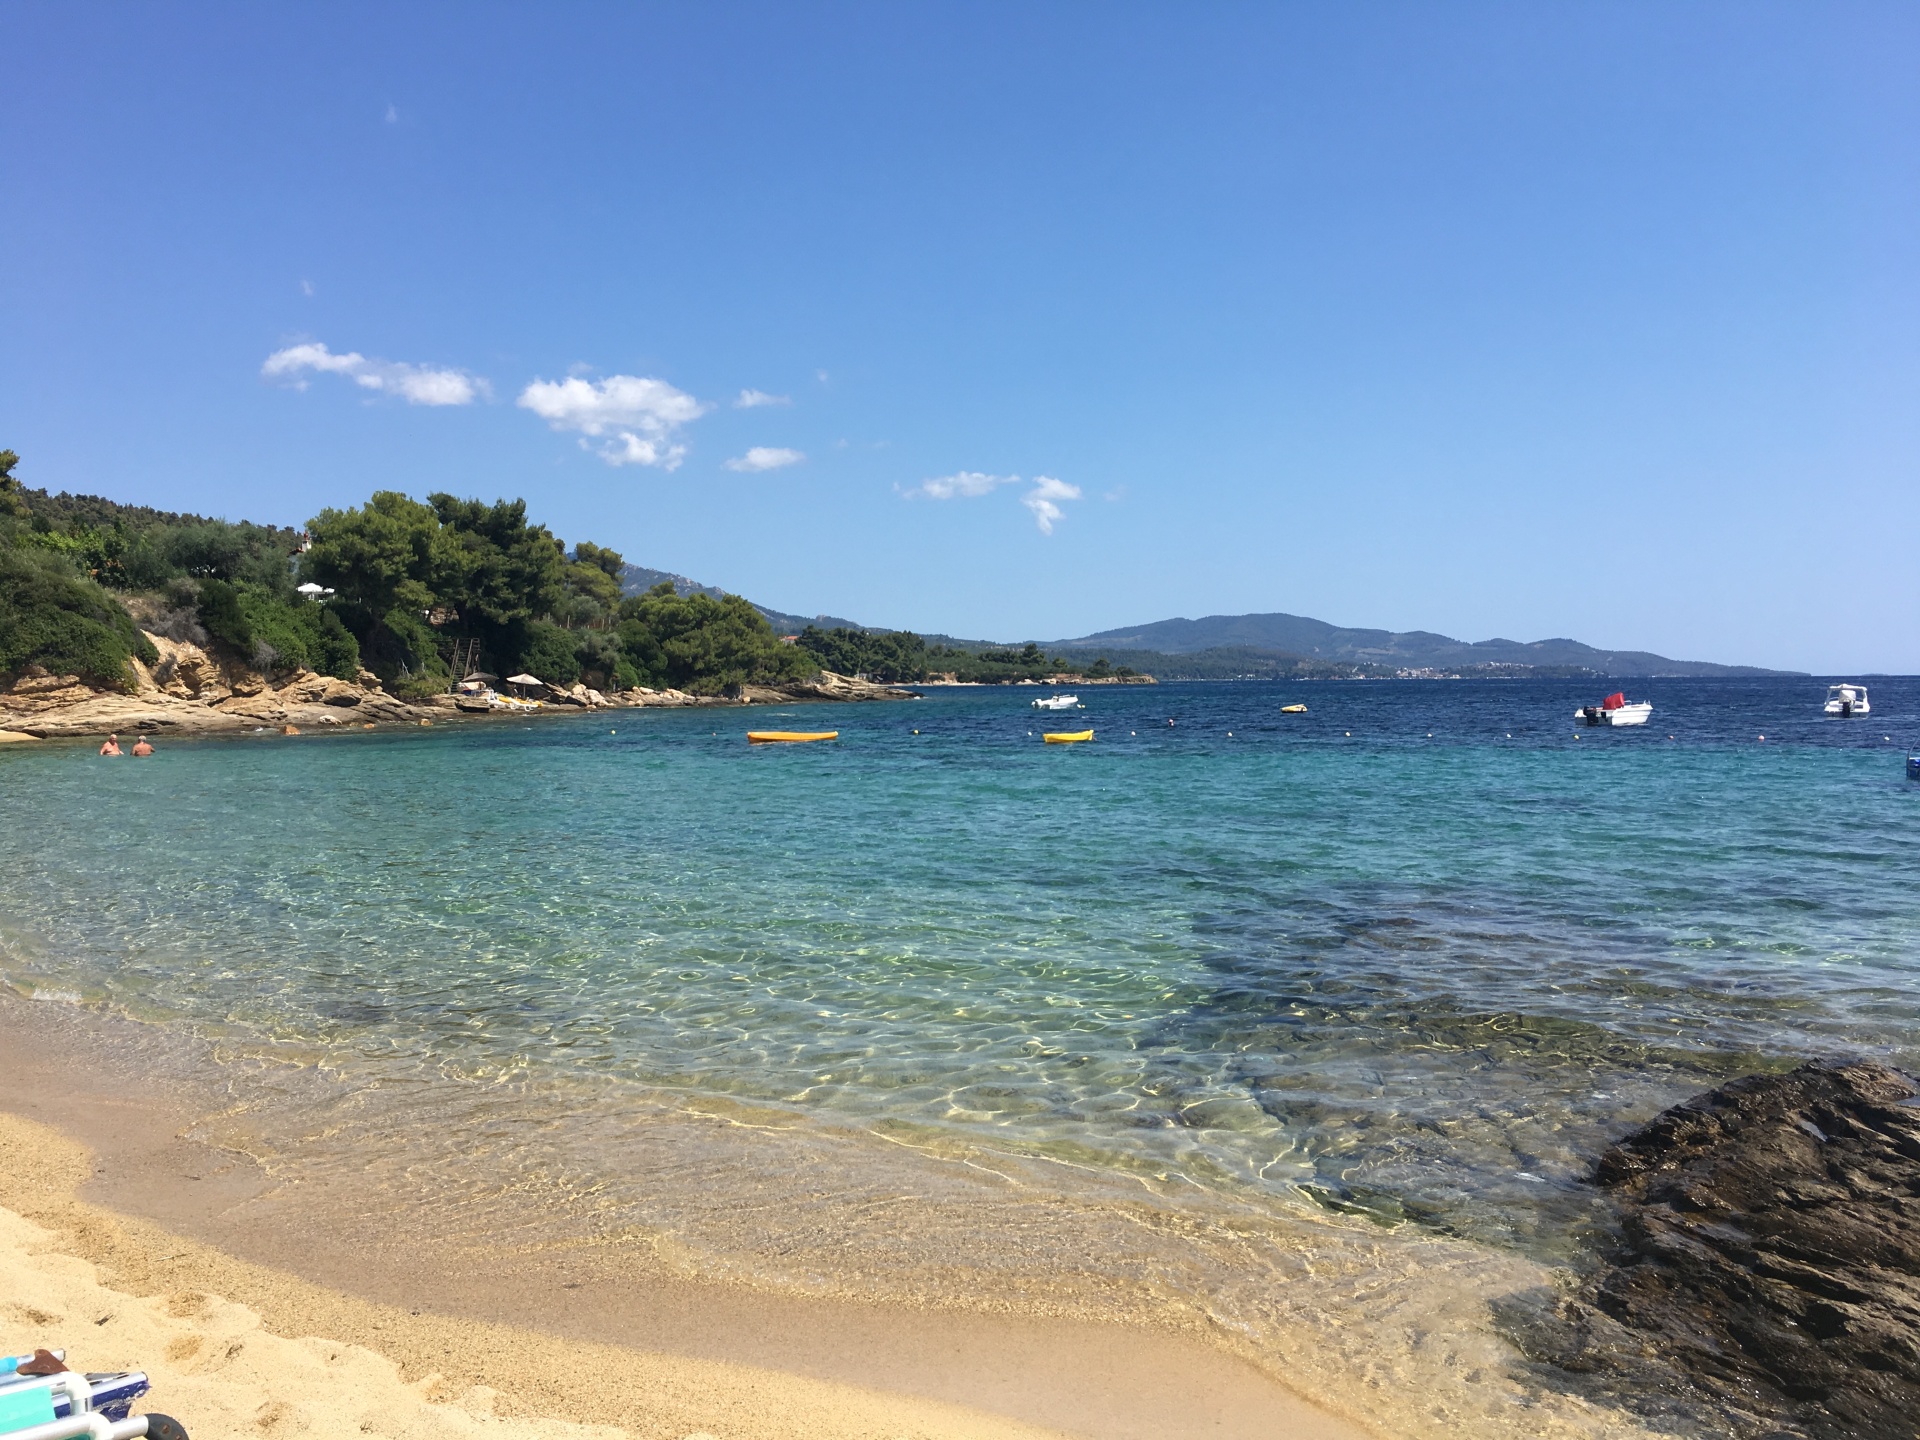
x: 192, y: 692
x: 1766, y: 1259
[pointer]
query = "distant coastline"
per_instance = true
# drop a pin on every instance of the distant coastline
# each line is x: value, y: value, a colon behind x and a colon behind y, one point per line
x: 1272, y: 646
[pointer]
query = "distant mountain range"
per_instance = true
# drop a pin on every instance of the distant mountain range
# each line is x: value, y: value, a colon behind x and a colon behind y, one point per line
x: 1237, y: 644
x: 1409, y: 649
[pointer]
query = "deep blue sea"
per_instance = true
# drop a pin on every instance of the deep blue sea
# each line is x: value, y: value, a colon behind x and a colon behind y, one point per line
x: 1416, y: 954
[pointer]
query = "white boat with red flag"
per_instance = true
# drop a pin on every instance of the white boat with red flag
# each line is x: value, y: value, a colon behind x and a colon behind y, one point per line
x: 1614, y: 710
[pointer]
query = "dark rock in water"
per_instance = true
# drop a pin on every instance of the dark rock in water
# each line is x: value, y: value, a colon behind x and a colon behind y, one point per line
x: 1770, y: 1257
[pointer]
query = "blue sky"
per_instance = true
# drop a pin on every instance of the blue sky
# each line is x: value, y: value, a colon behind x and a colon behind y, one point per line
x: 1513, y: 320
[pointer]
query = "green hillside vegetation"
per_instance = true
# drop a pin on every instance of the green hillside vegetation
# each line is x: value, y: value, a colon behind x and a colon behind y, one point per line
x: 72, y: 564
x: 902, y: 657
x: 52, y: 612
x: 422, y: 593
x: 429, y: 589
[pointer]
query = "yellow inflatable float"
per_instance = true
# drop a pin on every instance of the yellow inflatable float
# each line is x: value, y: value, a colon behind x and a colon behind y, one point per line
x: 789, y: 737
x: 1068, y: 737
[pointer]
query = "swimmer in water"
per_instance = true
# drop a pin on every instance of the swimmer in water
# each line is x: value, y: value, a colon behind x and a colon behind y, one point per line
x: 142, y: 748
x: 112, y: 747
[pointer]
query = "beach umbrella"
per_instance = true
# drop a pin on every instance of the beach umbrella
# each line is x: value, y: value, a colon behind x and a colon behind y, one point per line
x: 525, y: 680
x: 481, y: 675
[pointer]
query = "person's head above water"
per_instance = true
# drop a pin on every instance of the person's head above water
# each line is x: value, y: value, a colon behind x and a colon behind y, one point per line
x: 142, y: 746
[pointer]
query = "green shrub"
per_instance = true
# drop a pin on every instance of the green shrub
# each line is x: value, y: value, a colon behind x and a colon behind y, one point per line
x: 289, y: 634
x: 549, y: 652
x: 891, y: 655
x: 697, y: 643
x: 599, y: 657
x: 334, y: 651
x: 223, y: 619
x: 51, y: 616
x: 403, y: 645
x: 419, y: 686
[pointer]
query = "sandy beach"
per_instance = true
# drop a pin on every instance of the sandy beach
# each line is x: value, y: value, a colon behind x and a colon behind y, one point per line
x: 119, y: 1293
x: 237, y: 1347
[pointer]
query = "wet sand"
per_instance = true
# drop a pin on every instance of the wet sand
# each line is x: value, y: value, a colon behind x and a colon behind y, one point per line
x: 102, y: 1156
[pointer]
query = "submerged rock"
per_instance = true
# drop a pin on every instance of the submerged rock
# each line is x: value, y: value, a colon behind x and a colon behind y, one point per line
x: 1769, y: 1255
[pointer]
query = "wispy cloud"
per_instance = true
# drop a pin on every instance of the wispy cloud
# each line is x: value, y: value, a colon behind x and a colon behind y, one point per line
x: 754, y: 399
x: 1044, y: 501
x: 764, y: 457
x: 966, y: 485
x: 416, y: 384
x: 638, y: 417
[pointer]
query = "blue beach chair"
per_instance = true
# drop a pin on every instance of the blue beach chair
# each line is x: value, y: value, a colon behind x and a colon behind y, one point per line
x: 68, y: 1406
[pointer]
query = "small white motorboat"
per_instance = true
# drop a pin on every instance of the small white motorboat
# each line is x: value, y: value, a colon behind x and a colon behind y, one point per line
x: 1846, y: 701
x: 1057, y: 702
x: 1614, y: 710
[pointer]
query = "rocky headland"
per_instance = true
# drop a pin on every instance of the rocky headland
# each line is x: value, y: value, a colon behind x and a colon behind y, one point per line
x: 1766, y: 1261
x: 192, y: 691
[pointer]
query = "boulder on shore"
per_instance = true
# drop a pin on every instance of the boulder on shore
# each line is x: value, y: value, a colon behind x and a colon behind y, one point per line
x: 825, y: 685
x: 1768, y: 1256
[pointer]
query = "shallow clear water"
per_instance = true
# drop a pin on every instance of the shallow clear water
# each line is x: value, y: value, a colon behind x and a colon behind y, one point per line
x: 1418, y: 953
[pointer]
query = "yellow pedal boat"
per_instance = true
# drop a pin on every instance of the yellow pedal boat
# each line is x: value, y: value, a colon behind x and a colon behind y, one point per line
x: 1068, y: 737
x: 1293, y: 709
x: 789, y: 737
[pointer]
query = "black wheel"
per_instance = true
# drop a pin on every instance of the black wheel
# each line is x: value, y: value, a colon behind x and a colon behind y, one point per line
x: 165, y: 1427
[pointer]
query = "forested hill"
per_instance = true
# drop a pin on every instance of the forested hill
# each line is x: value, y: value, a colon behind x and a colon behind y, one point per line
x: 419, y: 592
x: 1410, y: 649
x: 637, y: 579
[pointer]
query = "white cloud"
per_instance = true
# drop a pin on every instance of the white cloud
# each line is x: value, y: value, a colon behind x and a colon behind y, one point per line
x: 1043, y: 500
x: 416, y: 384
x: 967, y: 485
x: 754, y: 399
x: 627, y: 448
x: 764, y: 457
x: 306, y: 287
x: 638, y: 416
x: 393, y: 113
x: 315, y: 356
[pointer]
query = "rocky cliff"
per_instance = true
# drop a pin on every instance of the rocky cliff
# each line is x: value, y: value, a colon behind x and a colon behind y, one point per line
x: 189, y: 691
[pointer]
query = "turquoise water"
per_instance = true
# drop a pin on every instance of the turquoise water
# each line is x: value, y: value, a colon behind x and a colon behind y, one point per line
x: 1415, y: 955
